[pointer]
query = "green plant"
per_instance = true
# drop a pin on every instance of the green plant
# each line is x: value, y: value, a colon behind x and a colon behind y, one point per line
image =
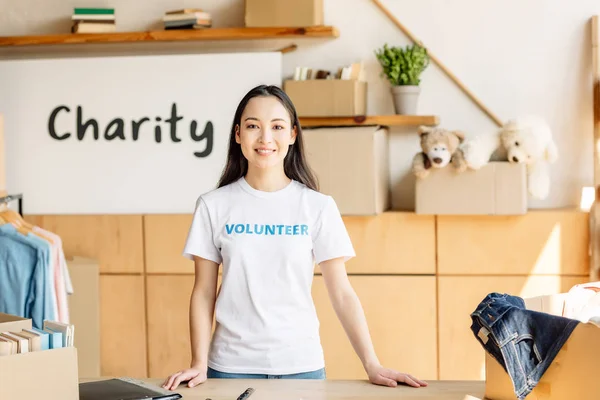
x: 403, y: 66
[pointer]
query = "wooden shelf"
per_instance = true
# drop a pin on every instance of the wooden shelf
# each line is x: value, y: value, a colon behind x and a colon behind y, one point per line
x: 173, y: 35
x: 388, y: 120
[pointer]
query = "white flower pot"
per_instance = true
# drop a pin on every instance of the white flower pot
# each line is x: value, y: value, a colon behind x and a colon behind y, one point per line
x: 406, y: 99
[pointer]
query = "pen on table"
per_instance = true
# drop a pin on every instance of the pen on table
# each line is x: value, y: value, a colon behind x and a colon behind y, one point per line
x: 246, y: 394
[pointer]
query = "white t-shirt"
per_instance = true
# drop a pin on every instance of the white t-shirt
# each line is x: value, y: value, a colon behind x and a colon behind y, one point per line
x: 268, y: 243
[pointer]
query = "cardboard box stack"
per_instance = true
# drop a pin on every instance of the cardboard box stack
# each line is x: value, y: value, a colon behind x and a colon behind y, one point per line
x: 37, y: 363
x: 93, y: 20
x: 351, y: 164
x: 283, y: 13
x: 319, y: 93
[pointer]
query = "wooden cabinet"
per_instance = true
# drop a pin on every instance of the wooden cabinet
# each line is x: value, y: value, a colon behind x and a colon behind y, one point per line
x: 401, y: 314
x: 418, y: 278
x: 545, y: 242
x: 164, y: 239
x: 116, y: 241
x: 168, y: 324
x: 123, y: 326
x: 392, y: 243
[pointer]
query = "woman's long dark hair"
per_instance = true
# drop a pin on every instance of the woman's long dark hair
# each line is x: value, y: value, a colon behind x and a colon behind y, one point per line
x: 294, y: 164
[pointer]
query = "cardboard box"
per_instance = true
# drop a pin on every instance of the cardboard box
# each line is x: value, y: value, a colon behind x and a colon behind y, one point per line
x: 573, y: 373
x: 47, y: 374
x: 84, y: 312
x: 328, y: 97
x: 283, y: 13
x: 498, y: 188
x: 351, y: 165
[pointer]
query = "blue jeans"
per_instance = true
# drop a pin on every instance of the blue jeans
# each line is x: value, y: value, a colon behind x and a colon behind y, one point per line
x: 318, y: 374
x: 524, y: 342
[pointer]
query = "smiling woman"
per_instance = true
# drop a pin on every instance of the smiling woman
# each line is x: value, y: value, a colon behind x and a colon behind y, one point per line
x: 266, y: 132
x: 268, y: 225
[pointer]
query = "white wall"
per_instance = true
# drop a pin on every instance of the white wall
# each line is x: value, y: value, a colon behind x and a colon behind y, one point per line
x: 517, y: 57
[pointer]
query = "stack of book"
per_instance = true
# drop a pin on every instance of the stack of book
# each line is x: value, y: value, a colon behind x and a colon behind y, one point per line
x: 54, y: 335
x: 93, y: 20
x: 355, y: 71
x: 188, y: 18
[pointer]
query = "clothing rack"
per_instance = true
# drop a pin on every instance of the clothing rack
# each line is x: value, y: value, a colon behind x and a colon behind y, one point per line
x: 13, y: 197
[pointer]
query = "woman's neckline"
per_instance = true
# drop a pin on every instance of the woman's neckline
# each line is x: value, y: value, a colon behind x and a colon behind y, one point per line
x: 264, y: 194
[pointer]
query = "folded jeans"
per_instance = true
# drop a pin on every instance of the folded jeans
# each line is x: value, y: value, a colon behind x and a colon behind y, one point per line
x: 524, y: 342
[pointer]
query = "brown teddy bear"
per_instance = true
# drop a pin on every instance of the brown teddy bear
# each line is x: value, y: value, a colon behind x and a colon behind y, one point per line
x: 440, y: 147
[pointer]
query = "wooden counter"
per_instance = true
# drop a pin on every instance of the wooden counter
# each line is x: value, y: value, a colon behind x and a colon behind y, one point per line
x: 282, y: 389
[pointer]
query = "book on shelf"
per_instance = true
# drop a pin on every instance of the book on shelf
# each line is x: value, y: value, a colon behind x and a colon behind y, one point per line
x: 93, y: 20
x: 189, y: 18
x: 354, y: 71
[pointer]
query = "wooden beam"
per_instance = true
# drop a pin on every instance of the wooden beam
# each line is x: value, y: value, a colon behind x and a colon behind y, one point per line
x: 595, y: 209
x: 470, y: 94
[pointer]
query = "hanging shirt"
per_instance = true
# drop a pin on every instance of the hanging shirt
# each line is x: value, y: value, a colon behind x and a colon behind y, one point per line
x: 24, y: 283
x: 268, y: 243
x: 583, y: 303
x: 61, y: 278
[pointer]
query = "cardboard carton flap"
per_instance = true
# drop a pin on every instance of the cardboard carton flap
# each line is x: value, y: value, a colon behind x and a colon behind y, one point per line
x: 9, y: 322
x: 550, y: 304
x: 10, y: 318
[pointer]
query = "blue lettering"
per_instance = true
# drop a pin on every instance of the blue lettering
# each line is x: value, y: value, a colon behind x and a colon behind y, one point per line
x: 260, y: 229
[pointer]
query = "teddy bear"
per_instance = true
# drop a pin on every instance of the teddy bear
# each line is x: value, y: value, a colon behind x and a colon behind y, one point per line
x: 525, y: 140
x: 439, y: 147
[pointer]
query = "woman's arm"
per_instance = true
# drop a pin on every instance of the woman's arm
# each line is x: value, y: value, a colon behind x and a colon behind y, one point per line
x: 349, y: 310
x: 202, y: 307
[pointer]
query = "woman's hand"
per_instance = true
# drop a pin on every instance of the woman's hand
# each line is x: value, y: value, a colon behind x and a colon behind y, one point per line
x: 379, y: 375
x: 195, y: 376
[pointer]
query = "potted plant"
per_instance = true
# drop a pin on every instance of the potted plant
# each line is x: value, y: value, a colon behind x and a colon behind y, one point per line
x: 403, y: 68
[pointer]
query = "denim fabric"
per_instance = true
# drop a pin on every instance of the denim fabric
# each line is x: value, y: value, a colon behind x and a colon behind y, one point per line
x: 524, y: 342
x: 318, y: 374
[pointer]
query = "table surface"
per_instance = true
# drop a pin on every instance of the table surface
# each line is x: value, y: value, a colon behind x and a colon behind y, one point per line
x: 283, y: 389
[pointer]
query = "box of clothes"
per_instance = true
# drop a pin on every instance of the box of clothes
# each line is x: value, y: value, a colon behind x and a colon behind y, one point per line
x: 544, y: 347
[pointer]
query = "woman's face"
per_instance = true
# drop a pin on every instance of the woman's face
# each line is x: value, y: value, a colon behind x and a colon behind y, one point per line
x: 265, y: 132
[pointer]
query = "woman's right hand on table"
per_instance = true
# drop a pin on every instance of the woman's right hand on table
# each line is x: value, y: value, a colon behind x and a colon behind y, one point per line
x: 195, y: 377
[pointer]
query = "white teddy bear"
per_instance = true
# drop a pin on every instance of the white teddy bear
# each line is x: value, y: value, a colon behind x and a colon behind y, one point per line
x: 522, y: 140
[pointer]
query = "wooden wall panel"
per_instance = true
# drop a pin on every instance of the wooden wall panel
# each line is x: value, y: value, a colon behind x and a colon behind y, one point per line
x: 165, y: 237
x: 123, y: 326
x: 392, y: 243
x: 545, y: 242
x: 461, y: 355
x: 401, y: 313
x: 168, y: 323
x: 116, y: 241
